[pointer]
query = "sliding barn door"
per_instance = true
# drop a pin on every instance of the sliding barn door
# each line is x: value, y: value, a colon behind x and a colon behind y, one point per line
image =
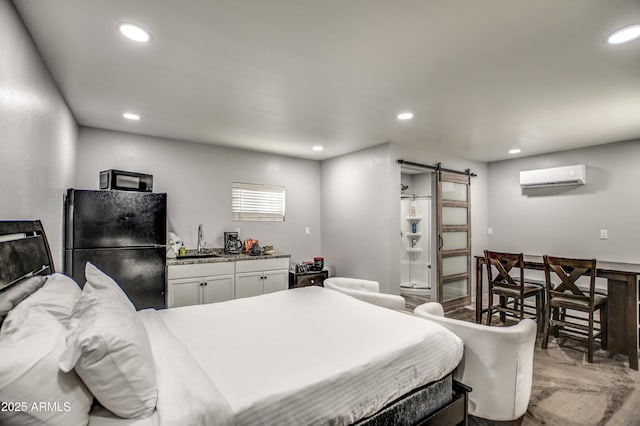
x: 453, y: 222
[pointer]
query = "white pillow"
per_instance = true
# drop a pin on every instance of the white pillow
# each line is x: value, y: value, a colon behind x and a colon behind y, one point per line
x: 30, y: 348
x: 57, y: 296
x: 103, y: 285
x: 110, y: 350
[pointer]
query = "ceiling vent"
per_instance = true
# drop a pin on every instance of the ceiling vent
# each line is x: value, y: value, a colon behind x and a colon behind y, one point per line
x: 556, y: 176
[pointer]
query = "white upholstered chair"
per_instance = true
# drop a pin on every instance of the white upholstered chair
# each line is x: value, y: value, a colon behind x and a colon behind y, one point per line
x: 366, y: 290
x: 497, y: 363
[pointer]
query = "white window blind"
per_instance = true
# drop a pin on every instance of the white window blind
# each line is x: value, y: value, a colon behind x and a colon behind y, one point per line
x: 257, y: 203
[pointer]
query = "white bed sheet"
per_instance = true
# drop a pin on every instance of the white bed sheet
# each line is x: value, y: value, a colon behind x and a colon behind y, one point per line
x: 102, y: 417
x: 311, y: 355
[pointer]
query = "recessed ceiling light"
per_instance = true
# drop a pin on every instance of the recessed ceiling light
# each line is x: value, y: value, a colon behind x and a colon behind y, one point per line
x: 317, y: 148
x: 405, y: 116
x: 131, y: 116
x: 515, y: 151
x: 134, y: 32
x: 624, y: 35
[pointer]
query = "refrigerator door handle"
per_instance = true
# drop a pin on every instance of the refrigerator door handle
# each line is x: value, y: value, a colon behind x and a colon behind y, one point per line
x: 69, y: 203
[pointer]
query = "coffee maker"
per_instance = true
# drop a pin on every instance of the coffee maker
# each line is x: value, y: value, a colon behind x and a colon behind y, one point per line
x: 232, y: 243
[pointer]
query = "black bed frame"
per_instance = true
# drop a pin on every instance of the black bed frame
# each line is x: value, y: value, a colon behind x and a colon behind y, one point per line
x: 404, y: 412
x: 455, y: 412
x: 24, y: 252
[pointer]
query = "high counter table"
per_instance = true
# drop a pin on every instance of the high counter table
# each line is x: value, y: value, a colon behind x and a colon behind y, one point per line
x: 622, y: 293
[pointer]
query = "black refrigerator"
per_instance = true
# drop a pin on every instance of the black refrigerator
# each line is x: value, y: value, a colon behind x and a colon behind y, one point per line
x: 123, y: 233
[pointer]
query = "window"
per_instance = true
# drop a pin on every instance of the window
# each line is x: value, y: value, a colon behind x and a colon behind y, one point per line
x: 257, y: 203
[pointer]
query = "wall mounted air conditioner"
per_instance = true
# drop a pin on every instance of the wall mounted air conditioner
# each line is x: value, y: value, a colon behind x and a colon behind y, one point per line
x: 556, y: 176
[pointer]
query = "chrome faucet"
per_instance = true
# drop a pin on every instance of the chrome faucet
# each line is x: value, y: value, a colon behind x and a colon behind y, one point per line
x: 201, y: 242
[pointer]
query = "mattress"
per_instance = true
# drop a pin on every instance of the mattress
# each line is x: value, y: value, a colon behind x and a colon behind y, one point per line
x: 310, y: 355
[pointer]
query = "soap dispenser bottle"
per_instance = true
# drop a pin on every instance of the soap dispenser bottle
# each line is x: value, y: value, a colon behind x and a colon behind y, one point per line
x: 413, y: 212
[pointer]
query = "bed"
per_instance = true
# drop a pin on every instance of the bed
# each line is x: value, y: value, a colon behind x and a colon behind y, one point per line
x: 302, y: 356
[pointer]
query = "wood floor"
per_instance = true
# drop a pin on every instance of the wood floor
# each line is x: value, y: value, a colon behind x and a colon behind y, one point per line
x: 413, y: 301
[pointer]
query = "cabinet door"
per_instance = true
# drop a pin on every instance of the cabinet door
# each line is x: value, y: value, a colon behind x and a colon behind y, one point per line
x: 217, y: 289
x: 275, y: 281
x: 248, y: 284
x: 184, y: 292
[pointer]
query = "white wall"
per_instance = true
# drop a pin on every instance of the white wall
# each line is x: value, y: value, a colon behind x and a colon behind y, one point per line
x: 358, y: 219
x: 197, y: 179
x: 566, y: 221
x: 432, y: 154
x: 38, y: 134
x: 361, y: 210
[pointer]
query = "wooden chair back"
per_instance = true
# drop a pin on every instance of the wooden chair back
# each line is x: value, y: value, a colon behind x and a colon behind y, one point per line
x: 566, y: 272
x: 504, y: 263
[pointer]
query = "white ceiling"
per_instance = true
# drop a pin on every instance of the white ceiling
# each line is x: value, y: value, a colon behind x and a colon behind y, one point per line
x: 282, y: 75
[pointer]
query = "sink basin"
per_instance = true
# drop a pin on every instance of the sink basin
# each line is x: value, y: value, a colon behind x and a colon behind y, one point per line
x: 197, y: 255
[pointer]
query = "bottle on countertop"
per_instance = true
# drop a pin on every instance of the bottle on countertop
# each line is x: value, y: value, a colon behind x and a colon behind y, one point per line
x: 183, y: 250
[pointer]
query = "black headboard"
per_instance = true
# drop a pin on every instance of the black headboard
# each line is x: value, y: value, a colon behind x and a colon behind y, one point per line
x: 24, y: 252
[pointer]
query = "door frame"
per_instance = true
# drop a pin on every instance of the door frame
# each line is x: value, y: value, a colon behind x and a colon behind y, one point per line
x: 465, y: 179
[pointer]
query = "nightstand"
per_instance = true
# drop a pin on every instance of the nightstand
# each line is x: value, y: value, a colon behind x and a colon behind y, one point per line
x: 307, y: 278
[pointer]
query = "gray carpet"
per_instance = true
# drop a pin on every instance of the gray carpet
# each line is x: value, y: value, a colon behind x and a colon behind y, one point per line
x: 567, y: 390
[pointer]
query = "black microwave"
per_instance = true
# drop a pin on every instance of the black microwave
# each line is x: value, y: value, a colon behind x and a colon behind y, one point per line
x: 126, y: 181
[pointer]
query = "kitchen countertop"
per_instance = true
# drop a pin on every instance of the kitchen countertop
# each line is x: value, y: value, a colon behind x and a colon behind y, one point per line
x: 221, y: 257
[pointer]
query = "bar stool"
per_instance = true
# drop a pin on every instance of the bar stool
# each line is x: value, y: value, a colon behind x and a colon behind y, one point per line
x: 506, y: 286
x: 568, y: 296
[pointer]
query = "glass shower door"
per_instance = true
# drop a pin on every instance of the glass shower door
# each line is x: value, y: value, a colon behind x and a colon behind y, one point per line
x: 416, y: 254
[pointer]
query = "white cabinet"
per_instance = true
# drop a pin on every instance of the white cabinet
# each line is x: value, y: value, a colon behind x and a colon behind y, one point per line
x: 275, y: 280
x: 248, y: 284
x: 184, y: 292
x: 200, y: 283
x: 255, y: 277
x: 218, y: 288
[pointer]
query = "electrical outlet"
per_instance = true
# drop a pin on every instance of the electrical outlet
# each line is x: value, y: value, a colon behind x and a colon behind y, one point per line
x: 238, y: 230
x: 489, y: 231
x: 604, y: 234
x: 307, y: 231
